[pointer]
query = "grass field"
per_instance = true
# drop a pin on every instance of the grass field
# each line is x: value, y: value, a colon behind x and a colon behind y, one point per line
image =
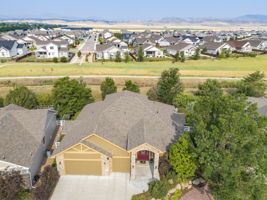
x: 232, y: 67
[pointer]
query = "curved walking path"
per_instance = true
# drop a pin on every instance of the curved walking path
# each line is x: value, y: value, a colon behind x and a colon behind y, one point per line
x: 117, y: 76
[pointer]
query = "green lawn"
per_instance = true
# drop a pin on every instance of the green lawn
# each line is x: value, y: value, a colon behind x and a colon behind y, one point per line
x: 233, y: 67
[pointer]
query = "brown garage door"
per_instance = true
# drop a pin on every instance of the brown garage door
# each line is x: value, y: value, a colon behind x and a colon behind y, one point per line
x: 77, y: 167
x: 121, y: 164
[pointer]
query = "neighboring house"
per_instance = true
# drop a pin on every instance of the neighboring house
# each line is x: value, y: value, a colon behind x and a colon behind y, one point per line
x: 52, y: 49
x: 123, y: 133
x: 22, y: 49
x: 190, y: 39
x: 108, y: 51
x: 212, y: 39
x: 256, y: 44
x: 163, y: 42
x: 141, y: 41
x: 8, y: 48
x: 215, y: 48
x: 261, y: 104
x: 107, y: 34
x: 188, y: 49
x: 240, y: 45
x: 25, y: 137
x: 173, y: 40
x: 150, y: 51
x: 67, y: 38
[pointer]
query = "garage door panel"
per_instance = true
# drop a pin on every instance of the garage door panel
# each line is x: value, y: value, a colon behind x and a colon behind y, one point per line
x: 79, y: 167
x: 121, y: 164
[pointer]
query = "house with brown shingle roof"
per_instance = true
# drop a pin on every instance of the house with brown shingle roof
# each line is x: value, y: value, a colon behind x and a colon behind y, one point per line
x: 240, y: 45
x: 119, y: 134
x: 25, y: 136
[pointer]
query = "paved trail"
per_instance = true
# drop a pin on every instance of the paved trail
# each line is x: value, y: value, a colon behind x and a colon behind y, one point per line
x: 116, y: 76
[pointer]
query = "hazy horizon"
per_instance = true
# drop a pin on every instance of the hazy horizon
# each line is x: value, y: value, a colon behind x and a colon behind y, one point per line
x: 128, y: 11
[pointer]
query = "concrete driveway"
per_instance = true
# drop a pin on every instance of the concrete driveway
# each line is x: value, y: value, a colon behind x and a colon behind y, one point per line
x: 117, y: 186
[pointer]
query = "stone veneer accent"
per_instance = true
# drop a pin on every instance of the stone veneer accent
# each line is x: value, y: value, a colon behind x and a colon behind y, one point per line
x: 156, y: 160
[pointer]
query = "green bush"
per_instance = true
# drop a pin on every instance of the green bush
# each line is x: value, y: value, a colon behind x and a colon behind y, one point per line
x: 181, y: 101
x: 63, y: 59
x: 55, y: 60
x: 252, y: 54
x: 1, y: 102
x: 158, y: 189
x: 176, y: 195
x: 44, y: 99
x: 171, y: 175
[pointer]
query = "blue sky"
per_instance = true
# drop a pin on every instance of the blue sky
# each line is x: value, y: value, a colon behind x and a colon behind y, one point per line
x: 130, y: 10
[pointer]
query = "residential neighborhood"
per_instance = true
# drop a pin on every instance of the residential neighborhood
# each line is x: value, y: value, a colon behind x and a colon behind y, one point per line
x: 49, y: 44
x: 160, y: 100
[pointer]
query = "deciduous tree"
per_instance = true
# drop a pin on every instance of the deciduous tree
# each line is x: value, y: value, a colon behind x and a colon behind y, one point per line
x: 210, y: 88
x: 140, y: 55
x: 253, y: 85
x: 21, y: 96
x: 229, y: 140
x: 70, y: 96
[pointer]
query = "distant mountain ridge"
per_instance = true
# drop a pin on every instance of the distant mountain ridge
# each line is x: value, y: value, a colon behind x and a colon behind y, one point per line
x: 252, y: 18
x: 241, y: 19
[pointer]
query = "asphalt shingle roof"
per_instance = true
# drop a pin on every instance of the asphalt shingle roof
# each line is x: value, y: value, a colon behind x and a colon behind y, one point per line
x: 21, y: 133
x: 7, y: 44
x: 126, y: 119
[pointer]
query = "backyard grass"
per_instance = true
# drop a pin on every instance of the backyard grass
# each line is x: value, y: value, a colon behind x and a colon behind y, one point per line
x: 232, y: 67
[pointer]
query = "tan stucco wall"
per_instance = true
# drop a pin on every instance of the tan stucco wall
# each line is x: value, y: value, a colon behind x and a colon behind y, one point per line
x: 121, y: 164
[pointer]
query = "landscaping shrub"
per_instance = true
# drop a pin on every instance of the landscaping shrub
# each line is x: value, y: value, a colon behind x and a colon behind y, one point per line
x: 63, y: 59
x: 11, y: 184
x: 1, y: 102
x: 152, y: 94
x: 164, y: 165
x: 171, y: 175
x: 47, y: 184
x: 176, y: 195
x: 158, y: 189
x: 55, y: 60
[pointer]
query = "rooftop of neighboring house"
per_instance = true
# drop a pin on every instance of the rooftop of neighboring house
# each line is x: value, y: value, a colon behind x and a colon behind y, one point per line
x: 237, y: 43
x: 21, y: 133
x: 127, y: 120
x: 255, y: 43
x: 103, y: 47
x: 179, y: 46
x: 261, y: 104
x: 7, y: 44
x: 212, y: 45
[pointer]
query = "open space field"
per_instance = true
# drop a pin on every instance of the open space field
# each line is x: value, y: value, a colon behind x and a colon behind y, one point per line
x: 232, y: 67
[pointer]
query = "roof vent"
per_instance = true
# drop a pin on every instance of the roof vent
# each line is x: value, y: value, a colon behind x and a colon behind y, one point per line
x: 3, y: 157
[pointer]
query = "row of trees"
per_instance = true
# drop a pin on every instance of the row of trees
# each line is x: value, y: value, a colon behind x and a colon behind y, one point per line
x: 108, y: 87
x: 68, y: 96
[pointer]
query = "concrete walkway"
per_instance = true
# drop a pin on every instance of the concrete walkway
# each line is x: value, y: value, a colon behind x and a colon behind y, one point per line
x: 117, y: 186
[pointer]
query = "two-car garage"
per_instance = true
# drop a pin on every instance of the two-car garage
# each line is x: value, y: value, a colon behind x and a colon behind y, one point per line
x: 78, y: 167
